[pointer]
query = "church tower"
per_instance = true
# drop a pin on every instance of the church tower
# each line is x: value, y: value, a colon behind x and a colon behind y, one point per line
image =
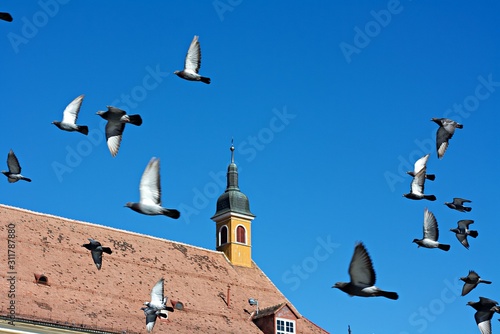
x: 233, y: 221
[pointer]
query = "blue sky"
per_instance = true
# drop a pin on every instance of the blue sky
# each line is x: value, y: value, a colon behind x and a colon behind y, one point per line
x: 329, y: 103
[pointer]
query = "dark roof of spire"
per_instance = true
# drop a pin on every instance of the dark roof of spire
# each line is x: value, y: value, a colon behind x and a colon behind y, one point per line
x: 233, y: 200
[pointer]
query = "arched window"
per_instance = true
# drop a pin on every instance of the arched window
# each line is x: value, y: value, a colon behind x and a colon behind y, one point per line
x: 223, y: 235
x: 241, y: 234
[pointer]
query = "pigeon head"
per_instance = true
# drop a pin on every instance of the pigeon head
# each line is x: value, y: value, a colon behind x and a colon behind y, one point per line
x: 340, y: 285
x: 177, y: 72
x: 100, y: 113
x: 437, y: 121
x: 418, y: 242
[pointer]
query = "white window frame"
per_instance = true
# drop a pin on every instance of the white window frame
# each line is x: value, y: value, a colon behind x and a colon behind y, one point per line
x: 294, y: 325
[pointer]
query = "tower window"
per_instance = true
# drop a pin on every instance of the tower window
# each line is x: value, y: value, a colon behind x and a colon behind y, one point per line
x: 241, y: 234
x: 223, y: 235
x: 285, y: 326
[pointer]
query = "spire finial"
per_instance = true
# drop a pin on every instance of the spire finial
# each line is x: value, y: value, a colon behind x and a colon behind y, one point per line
x: 232, y: 151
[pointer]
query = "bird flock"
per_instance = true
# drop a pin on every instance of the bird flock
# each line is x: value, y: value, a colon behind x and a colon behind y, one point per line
x: 149, y: 187
x: 361, y: 272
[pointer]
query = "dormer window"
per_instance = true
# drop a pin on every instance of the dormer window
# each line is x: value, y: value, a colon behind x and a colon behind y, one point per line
x: 241, y: 234
x: 285, y: 326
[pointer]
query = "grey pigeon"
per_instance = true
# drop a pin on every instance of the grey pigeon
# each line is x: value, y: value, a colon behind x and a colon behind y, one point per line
x: 14, y: 172
x: 117, y: 119
x: 462, y: 231
x: 457, y: 204
x: 5, y: 16
x: 70, y: 115
x: 431, y: 233
x: 444, y: 133
x: 156, y: 307
x: 417, y: 187
x: 96, y: 249
x: 471, y: 281
x: 362, y: 277
x: 150, y: 193
x: 419, y: 165
x: 192, y: 64
x: 485, y: 308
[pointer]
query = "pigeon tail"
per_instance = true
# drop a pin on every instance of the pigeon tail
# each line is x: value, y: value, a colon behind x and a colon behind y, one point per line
x: 205, y: 80
x: 83, y: 129
x: 430, y: 197
x: 444, y: 247
x: 388, y: 294
x: 467, y: 209
x: 107, y: 250
x: 135, y: 119
x: 473, y: 234
x: 6, y: 17
x: 430, y: 177
x: 485, y: 282
x: 172, y: 213
x: 26, y: 179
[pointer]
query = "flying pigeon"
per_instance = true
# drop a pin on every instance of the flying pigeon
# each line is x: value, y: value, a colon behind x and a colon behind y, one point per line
x: 117, y: 119
x: 431, y: 233
x: 156, y: 307
x: 444, y: 133
x: 150, y: 193
x: 362, y: 277
x: 485, y: 308
x: 5, y: 16
x: 417, y: 187
x: 471, y: 281
x: 70, y: 115
x: 419, y: 165
x: 457, y: 204
x: 462, y: 231
x: 192, y: 64
x: 96, y: 250
x: 14, y: 173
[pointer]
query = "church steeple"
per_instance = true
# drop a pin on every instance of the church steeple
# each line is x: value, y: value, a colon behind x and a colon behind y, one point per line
x: 233, y: 219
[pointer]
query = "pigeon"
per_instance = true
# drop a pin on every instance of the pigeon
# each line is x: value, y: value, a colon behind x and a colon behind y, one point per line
x: 471, y: 281
x: 150, y: 193
x: 431, y: 233
x: 485, y: 308
x: 444, y: 133
x: 419, y: 164
x: 417, y: 187
x: 462, y: 231
x: 362, y: 277
x: 14, y: 172
x: 70, y: 115
x: 156, y: 307
x: 5, y: 16
x: 96, y: 250
x: 457, y: 204
x: 192, y: 64
x: 117, y: 119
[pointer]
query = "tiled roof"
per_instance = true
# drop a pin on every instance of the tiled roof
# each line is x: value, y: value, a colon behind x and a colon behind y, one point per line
x: 110, y: 299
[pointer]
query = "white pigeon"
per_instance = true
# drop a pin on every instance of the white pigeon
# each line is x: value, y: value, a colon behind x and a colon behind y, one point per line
x: 192, y: 63
x: 417, y: 187
x: 431, y: 233
x: 150, y: 193
x: 156, y: 307
x: 70, y: 115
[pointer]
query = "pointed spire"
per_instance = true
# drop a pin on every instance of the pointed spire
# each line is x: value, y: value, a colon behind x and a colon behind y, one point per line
x: 232, y: 172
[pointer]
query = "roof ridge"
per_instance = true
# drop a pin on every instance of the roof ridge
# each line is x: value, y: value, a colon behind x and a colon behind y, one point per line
x: 105, y: 227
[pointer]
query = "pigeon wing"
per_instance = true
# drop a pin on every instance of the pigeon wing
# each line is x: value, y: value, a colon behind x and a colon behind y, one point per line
x: 463, y: 239
x: 13, y: 163
x: 485, y: 325
x: 193, y: 57
x: 460, y: 201
x: 430, y: 226
x: 464, y: 224
x: 70, y: 114
x: 361, y: 268
x: 157, y: 294
x: 442, y: 137
x: 417, y: 184
x: 467, y: 288
x: 150, y: 318
x: 114, y: 131
x: 97, y: 257
x: 420, y: 163
x: 150, y: 183
x: 116, y: 111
